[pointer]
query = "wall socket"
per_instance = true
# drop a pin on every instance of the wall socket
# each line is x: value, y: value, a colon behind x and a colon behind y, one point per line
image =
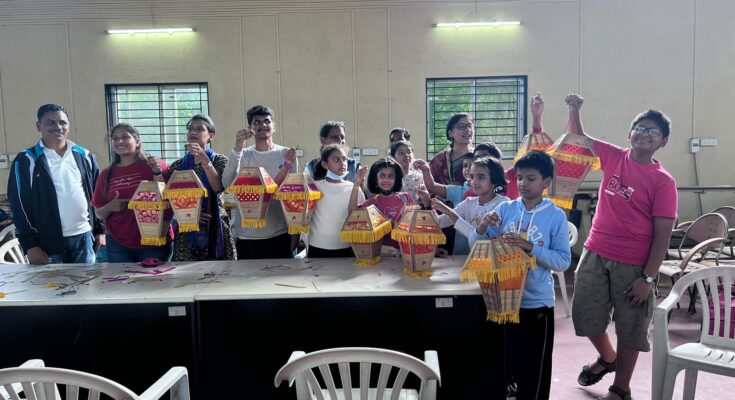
x: 4, y: 161
x: 707, y: 142
x: 299, y: 152
x: 370, y: 151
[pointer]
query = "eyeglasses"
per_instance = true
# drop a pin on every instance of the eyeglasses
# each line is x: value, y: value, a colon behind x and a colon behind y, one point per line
x: 461, y: 127
x: 258, y: 122
x: 651, y: 132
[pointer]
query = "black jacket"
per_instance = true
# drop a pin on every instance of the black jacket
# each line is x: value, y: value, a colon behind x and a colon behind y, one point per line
x: 33, y: 198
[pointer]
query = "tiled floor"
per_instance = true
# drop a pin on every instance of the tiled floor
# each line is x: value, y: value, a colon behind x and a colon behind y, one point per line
x: 572, y: 352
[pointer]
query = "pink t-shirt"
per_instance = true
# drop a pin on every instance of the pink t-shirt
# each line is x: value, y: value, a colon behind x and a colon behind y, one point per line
x: 391, y: 207
x: 121, y: 225
x: 631, y: 195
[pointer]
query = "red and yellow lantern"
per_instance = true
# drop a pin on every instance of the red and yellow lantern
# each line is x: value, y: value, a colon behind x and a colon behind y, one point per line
x: 150, y: 213
x: 418, y: 233
x: 184, y: 191
x: 253, y: 189
x: 364, y: 229
x: 298, y: 195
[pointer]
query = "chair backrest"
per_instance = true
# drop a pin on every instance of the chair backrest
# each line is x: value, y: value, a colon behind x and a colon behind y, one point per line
x: 45, y: 383
x: 12, y: 253
x: 573, y: 234
x: 708, y: 226
x: 7, y: 231
x: 715, y: 290
x: 303, y: 366
x: 729, y: 213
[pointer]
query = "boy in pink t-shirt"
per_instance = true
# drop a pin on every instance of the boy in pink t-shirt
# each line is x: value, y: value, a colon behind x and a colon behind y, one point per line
x: 630, y: 233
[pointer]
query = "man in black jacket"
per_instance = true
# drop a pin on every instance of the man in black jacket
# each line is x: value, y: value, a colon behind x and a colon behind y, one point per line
x: 49, y: 188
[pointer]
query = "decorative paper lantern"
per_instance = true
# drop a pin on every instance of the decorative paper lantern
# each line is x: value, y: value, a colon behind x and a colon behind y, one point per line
x: 533, y: 141
x: 149, y: 208
x: 574, y: 157
x: 501, y: 270
x: 253, y: 188
x: 418, y: 234
x: 298, y: 194
x: 365, y: 228
x: 185, y: 191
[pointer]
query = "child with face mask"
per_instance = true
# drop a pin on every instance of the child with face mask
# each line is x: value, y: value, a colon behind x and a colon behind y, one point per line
x: 331, y: 211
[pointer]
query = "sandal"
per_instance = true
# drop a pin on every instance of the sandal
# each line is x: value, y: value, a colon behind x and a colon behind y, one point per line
x: 587, y: 377
x: 618, y: 391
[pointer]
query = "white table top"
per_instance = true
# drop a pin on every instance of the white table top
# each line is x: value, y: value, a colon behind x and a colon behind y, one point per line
x: 22, y: 285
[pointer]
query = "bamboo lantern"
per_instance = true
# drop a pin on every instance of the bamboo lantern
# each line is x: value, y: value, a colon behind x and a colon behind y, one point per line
x: 253, y: 188
x: 364, y: 229
x: 298, y: 194
x: 533, y: 141
x: 418, y: 234
x: 185, y: 191
x: 574, y: 157
x: 150, y: 213
x: 501, y: 270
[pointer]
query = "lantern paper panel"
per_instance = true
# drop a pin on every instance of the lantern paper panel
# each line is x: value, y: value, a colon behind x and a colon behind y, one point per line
x: 184, y: 191
x: 533, y: 141
x: 298, y: 195
x: 253, y: 188
x: 364, y: 229
x: 503, y: 298
x: 149, y: 208
x: 418, y: 233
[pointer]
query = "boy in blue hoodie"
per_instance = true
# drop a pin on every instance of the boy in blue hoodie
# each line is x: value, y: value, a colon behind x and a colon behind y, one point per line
x: 536, y: 225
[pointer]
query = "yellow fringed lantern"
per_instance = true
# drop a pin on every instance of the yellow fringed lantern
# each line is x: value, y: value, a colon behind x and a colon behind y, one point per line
x: 418, y: 233
x: 184, y: 191
x: 501, y: 270
x: 364, y: 229
x: 298, y: 195
x: 533, y: 141
x: 253, y: 188
x: 149, y: 207
x: 574, y: 157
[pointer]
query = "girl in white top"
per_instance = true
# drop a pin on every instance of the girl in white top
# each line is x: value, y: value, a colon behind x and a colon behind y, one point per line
x: 331, y: 211
x: 486, y: 175
x: 402, y: 152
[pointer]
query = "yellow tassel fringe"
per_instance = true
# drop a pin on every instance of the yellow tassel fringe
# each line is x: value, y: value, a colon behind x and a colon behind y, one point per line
x: 184, y: 193
x: 562, y: 202
x: 419, y: 274
x: 147, y: 205
x: 505, y: 317
x: 488, y: 274
x: 260, y: 189
x: 366, y: 236
x: 594, y: 162
x: 183, y: 228
x: 418, y: 238
x: 368, y: 261
x: 297, y: 195
x: 253, y: 223
x: 153, y: 241
x: 295, y: 229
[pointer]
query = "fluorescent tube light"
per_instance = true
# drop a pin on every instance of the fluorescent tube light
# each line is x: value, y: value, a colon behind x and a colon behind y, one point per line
x: 151, y: 30
x: 457, y: 25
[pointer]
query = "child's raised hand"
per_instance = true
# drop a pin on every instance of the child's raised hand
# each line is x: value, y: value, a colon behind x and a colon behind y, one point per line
x: 361, y: 174
x: 537, y: 105
x: 424, y: 195
x: 241, y: 136
x: 574, y: 100
x: 492, y: 219
x: 290, y: 156
x: 514, y: 239
x: 421, y: 165
x: 439, y: 206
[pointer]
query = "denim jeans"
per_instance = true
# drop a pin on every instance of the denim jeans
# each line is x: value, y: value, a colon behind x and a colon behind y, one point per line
x: 78, y: 249
x: 118, y: 253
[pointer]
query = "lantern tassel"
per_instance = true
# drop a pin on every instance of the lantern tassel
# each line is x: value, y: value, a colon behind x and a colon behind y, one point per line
x: 295, y: 229
x: 183, y: 228
x: 562, y: 202
x: 147, y: 205
x: 504, y: 317
x: 420, y: 238
x: 368, y: 261
x: 417, y: 274
x: 297, y: 195
x: 259, y: 189
x: 594, y: 162
x: 153, y: 241
x: 253, y: 223
x: 184, y: 193
x: 366, y: 236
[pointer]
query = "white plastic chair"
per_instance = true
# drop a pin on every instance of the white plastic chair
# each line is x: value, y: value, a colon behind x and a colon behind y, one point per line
x: 7, y: 231
x: 573, y: 236
x: 714, y: 352
x: 11, y: 249
x: 38, y: 382
x: 301, y: 368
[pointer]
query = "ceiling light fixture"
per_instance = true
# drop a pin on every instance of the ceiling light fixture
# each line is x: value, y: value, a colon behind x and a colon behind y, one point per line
x: 132, y: 32
x: 494, y: 24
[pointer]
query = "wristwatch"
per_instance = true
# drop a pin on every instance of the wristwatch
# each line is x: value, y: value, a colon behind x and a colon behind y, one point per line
x: 648, y: 279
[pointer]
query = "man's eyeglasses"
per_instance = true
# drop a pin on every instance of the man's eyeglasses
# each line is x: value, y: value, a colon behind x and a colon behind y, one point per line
x: 461, y: 127
x: 651, y: 132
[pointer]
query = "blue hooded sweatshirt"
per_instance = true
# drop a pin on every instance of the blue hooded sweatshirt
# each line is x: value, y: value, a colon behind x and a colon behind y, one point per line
x: 546, y: 228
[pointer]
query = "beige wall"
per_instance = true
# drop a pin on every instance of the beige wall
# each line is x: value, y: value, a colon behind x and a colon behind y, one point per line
x: 366, y: 64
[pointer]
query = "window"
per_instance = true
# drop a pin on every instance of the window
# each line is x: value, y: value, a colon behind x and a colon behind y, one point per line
x: 498, y: 105
x: 159, y: 112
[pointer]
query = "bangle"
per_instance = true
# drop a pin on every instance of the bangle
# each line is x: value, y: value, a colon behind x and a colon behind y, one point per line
x: 157, y: 173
